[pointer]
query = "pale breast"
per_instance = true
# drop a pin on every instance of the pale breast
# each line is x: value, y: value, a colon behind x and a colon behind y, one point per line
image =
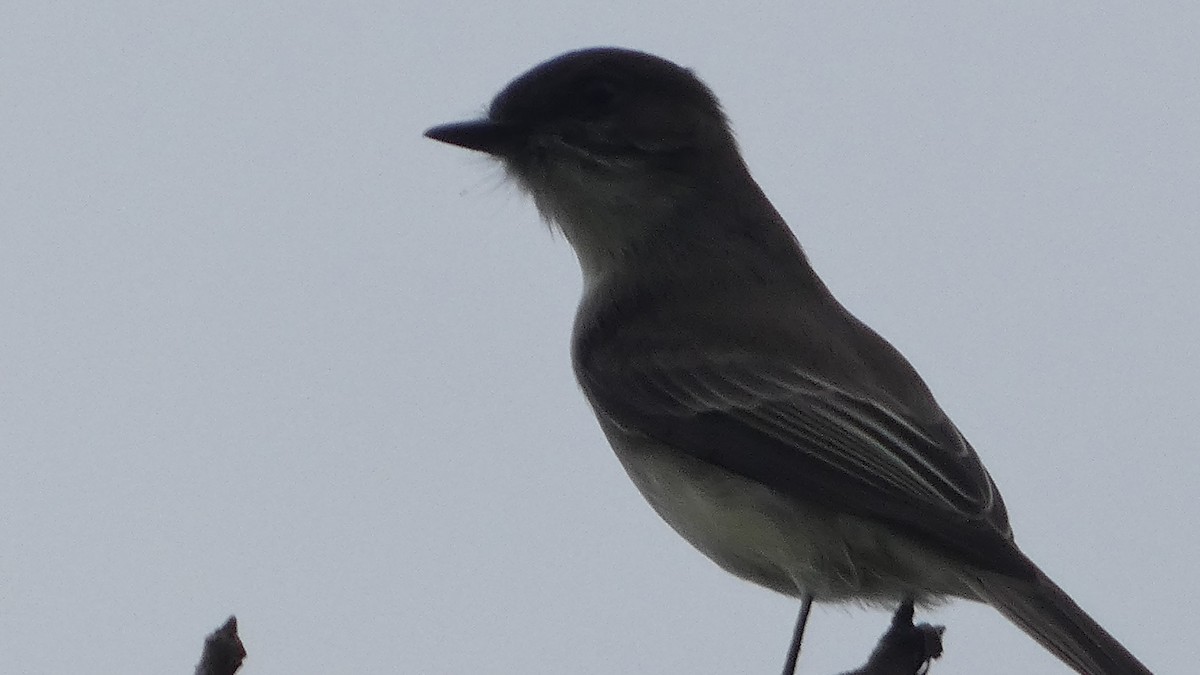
x: 778, y: 541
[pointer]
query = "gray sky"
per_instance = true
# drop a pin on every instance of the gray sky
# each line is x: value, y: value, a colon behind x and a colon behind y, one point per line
x: 265, y: 350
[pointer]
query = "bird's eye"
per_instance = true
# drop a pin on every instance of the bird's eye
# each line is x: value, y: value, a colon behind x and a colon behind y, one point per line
x: 598, y: 96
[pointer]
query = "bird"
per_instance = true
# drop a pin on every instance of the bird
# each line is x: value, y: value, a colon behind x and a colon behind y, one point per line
x: 775, y: 432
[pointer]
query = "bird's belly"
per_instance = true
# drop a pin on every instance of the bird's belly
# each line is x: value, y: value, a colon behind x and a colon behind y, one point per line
x: 780, y: 542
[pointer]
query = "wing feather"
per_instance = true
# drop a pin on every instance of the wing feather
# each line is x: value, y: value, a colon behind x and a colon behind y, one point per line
x: 924, y: 476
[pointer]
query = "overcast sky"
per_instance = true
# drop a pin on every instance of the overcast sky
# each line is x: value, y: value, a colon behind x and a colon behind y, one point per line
x: 265, y: 350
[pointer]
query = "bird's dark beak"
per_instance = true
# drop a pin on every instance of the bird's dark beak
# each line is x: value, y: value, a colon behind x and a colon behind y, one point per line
x: 494, y: 138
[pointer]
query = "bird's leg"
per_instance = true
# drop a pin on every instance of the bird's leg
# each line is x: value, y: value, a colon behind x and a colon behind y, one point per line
x: 789, y: 666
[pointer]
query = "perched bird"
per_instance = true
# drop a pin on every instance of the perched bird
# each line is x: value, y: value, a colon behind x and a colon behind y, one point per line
x: 774, y: 431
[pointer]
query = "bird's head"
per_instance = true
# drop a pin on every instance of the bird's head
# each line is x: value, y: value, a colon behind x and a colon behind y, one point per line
x: 608, y: 142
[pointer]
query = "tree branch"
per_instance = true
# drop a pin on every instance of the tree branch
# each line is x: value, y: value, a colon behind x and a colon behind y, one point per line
x: 223, y: 651
x: 904, y: 649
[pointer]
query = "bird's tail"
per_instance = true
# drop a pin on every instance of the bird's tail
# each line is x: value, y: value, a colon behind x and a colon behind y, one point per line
x: 1050, y: 616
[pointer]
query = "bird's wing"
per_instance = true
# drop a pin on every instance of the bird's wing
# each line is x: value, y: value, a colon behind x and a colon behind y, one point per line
x: 768, y: 419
